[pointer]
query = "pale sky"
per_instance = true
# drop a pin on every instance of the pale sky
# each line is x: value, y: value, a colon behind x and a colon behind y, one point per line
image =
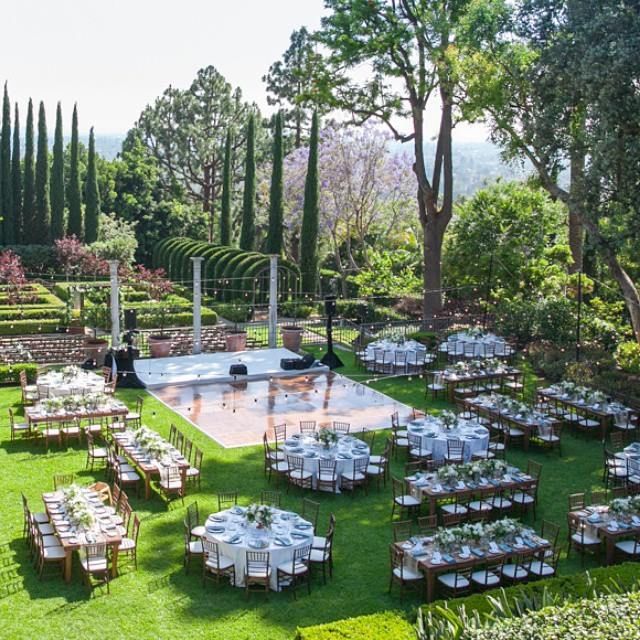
x: 114, y: 57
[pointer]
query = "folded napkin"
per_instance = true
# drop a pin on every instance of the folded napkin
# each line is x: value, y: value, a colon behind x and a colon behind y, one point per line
x: 299, y: 536
x: 438, y: 488
x: 493, y: 547
x: 283, y: 542
x: 479, y: 553
x: 460, y: 484
x: 635, y: 520
x: 436, y: 558
x: 447, y: 557
x: 345, y: 456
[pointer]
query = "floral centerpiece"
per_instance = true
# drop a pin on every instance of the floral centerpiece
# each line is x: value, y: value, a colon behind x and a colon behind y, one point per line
x: 504, y: 530
x: 70, y: 372
x: 476, y: 365
x: 151, y: 442
x: 397, y: 337
x: 52, y: 404
x: 625, y: 506
x: 476, y: 332
x: 259, y: 515
x: 328, y: 437
x: 448, y: 419
x: 448, y: 474
x: 77, y: 510
x: 460, y: 368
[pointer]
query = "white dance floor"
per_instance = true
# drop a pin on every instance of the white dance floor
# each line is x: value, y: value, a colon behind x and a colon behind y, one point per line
x: 262, y: 364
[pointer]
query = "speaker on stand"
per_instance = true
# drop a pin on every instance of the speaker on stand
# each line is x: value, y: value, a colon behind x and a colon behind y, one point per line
x: 330, y: 359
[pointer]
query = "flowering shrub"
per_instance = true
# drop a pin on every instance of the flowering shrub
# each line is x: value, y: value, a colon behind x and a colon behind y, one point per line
x: 77, y: 259
x: 12, y: 274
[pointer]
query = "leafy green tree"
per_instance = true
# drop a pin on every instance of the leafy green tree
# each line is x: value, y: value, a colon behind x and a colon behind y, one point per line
x: 248, y: 230
x: 57, y: 180
x: 91, y: 194
x: 559, y: 88
x: 411, y: 52
x: 276, y: 204
x: 75, y: 224
x: 29, y: 201
x: 310, y: 217
x: 116, y: 239
x: 227, y: 188
x: 6, y: 192
x: 289, y: 83
x: 186, y: 133
x: 41, y: 234
x: 16, y: 177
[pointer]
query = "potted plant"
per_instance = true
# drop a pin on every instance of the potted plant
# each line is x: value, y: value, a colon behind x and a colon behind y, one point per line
x: 160, y: 343
x: 291, y: 337
x: 158, y: 288
x: 236, y: 339
x: 95, y: 348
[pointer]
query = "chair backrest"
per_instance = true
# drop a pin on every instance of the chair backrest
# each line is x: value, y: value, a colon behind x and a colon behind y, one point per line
x: 193, y: 514
x: 327, y: 466
x: 400, y: 358
x: 139, y: 403
x: 179, y: 441
x: 227, y: 499
x: 534, y: 469
x: 415, y: 441
x: 295, y: 463
x: 258, y: 563
x: 197, y: 459
x: 341, y: 427
x: 310, y: 511
x: 617, y: 440
x: 360, y: 467
x: 576, y: 501
x: 550, y: 531
x: 273, y: 498
x: 173, y: 432
x: 489, y: 349
x: 455, y: 448
x: 301, y: 555
x: 307, y: 426
x: 469, y: 349
x: 115, y: 492
x: 23, y: 378
x: 395, y: 420
x: 598, y: 497
x: 402, y: 530
x: 280, y: 432
x: 135, y: 531
x: 428, y: 525
x: 63, y: 480
x: 210, y: 550
x: 188, y: 447
x: 103, y: 491
x: 397, y: 486
x: 95, y: 555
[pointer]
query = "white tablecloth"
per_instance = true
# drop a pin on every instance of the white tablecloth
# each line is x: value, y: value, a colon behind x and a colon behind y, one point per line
x: 455, y: 344
x: 54, y: 383
x: 235, y: 524
x: 309, y: 449
x: 434, y: 437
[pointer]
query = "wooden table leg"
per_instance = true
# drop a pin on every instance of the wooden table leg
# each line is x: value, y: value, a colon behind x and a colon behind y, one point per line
x: 147, y: 484
x: 450, y: 391
x: 611, y: 550
x: 431, y: 585
x: 68, y: 564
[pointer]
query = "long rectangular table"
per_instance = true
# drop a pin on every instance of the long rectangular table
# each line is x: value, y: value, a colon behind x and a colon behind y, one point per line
x: 70, y: 544
x: 37, y: 414
x: 452, y: 380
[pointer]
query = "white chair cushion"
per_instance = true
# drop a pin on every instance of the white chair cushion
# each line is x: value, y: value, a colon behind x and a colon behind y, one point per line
x: 192, y: 472
x: 449, y: 580
x: 129, y: 476
x: 539, y: 568
x: 127, y: 544
x: 318, y: 555
x: 436, y: 387
x: 407, y: 573
x: 500, y: 503
x: 198, y: 531
x: 260, y: 572
x: 407, y: 501
x: 297, y: 569
x: 98, y: 453
x: 50, y: 541
x: 40, y: 517
x: 485, y: 578
x: 586, y: 539
x: 454, y: 508
x: 223, y: 564
x: 479, y: 505
x: 45, y: 528
x: 53, y: 553
x: 514, y: 571
x: 170, y: 485
x: 514, y: 432
x: 401, y: 442
x: 522, y: 498
x: 628, y: 546
x: 195, y: 546
x: 356, y: 477
x: 281, y: 467
x: 374, y: 470
x: 376, y: 459
x: 549, y: 438
x: 327, y: 476
x: 319, y: 542
x: 97, y: 564
x: 300, y: 474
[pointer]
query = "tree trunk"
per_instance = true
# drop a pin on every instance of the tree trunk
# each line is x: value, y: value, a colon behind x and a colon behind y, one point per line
x: 576, y: 228
x: 433, y: 232
x: 629, y: 291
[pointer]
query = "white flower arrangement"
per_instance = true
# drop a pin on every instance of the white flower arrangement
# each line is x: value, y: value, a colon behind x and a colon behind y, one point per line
x: 504, y: 530
x: 259, y: 515
x: 70, y: 372
x: 476, y: 332
x: 460, y: 367
x: 625, y: 506
x: 448, y: 474
x: 328, y: 437
x: 448, y: 419
x: 77, y: 510
x: 151, y: 443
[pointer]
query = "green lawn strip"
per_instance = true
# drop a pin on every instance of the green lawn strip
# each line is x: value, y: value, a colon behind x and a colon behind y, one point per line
x: 161, y: 601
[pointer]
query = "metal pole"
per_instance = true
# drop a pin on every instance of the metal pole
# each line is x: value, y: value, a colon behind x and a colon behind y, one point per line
x: 488, y: 293
x: 115, y: 304
x: 579, y: 319
x: 197, y: 304
x: 273, y: 302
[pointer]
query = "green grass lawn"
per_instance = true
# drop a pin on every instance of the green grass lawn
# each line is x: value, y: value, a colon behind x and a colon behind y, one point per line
x: 161, y: 601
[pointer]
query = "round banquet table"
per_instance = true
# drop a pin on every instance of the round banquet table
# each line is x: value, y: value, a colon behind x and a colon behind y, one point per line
x: 456, y: 342
x: 54, y: 383
x: 348, y: 449
x: 235, y: 537
x: 434, y: 436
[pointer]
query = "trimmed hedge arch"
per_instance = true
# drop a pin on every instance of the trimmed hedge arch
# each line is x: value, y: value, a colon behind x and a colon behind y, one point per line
x: 246, y: 272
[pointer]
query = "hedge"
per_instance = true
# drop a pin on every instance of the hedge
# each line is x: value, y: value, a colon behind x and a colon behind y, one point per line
x: 28, y: 312
x: 392, y: 626
x: 179, y: 319
x: 378, y: 626
x: 10, y: 373
x: 20, y: 327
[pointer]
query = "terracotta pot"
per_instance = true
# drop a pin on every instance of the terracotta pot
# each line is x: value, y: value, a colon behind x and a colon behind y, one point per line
x: 236, y: 340
x: 95, y: 349
x: 160, y: 346
x: 292, y: 338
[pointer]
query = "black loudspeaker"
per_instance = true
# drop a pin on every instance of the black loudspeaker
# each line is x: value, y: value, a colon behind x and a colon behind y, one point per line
x: 288, y: 364
x: 130, y: 319
x: 330, y: 305
x: 307, y: 361
x: 238, y: 370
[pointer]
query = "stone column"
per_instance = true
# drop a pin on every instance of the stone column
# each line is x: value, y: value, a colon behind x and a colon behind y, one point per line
x: 115, y: 304
x: 197, y: 304
x: 273, y: 302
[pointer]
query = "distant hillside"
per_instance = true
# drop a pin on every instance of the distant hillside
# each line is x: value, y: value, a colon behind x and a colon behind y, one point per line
x: 107, y: 146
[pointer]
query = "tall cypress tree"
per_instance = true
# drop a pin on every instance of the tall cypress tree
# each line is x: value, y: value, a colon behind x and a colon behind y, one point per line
x: 91, y: 194
x: 225, y: 213
x: 16, y: 178
x: 57, y: 180
x: 6, y: 195
x: 248, y: 231
x: 42, y: 232
x: 276, y: 209
x: 309, y: 230
x: 29, y: 193
x: 74, y: 191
